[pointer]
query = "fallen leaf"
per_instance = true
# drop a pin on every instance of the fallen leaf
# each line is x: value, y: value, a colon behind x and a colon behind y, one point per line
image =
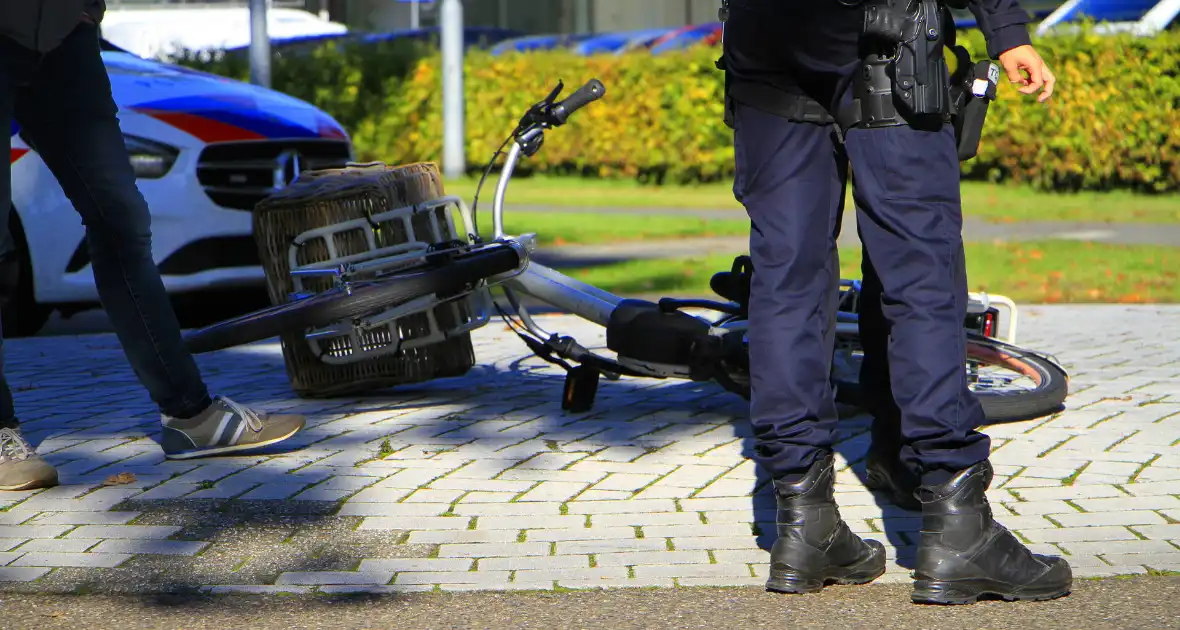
x: 120, y: 479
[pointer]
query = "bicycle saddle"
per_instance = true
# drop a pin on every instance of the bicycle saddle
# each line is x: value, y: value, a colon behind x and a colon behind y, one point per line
x: 734, y: 285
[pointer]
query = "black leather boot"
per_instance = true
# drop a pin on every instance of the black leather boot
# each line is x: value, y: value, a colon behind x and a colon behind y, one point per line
x: 964, y: 553
x: 814, y: 544
x: 885, y: 472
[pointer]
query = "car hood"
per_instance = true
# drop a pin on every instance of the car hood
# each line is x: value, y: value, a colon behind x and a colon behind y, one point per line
x: 213, y: 108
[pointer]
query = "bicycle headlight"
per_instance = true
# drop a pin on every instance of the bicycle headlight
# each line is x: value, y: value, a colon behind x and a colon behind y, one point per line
x: 149, y: 159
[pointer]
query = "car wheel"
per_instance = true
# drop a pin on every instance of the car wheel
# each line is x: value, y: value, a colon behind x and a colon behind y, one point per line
x: 22, y: 316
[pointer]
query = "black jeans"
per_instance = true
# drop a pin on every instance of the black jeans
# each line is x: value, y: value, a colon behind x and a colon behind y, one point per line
x: 62, y: 101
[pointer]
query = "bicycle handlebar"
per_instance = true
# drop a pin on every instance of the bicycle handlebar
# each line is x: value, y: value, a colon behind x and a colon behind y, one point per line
x: 529, y: 134
x: 592, y: 91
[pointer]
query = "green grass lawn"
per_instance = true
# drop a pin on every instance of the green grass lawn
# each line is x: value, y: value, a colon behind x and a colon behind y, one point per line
x: 1030, y: 272
x: 993, y: 202
x: 588, y: 228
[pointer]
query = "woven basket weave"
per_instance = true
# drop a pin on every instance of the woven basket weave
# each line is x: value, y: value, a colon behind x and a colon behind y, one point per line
x: 326, y: 197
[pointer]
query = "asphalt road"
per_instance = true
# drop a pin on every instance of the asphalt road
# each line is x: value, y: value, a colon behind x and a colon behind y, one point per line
x: 1144, y: 602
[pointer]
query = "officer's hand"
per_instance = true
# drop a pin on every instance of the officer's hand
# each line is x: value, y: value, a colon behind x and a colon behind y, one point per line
x: 1027, y: 59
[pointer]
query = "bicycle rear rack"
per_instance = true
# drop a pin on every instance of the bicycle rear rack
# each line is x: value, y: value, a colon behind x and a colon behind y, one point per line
x: 392, y: 240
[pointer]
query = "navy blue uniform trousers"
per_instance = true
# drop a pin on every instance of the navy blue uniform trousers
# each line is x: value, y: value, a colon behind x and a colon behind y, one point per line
x: 791, y: 178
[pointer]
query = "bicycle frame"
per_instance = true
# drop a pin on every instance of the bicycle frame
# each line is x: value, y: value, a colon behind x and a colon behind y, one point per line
x: 530, y: 279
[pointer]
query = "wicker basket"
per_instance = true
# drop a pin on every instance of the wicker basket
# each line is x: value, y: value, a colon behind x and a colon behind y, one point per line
x: 322, y: 198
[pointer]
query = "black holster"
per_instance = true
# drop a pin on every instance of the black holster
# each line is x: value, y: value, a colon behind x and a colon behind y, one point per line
x: 903, y: 78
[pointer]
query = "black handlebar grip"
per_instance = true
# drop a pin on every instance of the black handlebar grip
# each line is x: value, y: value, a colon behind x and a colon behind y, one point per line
x: 592, y: 91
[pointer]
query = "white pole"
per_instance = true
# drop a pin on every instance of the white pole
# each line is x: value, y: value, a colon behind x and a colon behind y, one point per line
x: 454, y: 160
x: 259, y: 43
x: 414, y: 14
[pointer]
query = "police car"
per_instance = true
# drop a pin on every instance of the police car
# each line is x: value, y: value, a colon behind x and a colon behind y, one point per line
x: 205, y: 149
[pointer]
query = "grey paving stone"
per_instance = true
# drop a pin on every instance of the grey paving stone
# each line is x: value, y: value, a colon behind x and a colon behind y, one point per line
x: 462, y: 536
x: 492, y: 550
x: 603, y: 583
x: 1127, y: 517
x: 632, y: 519
x: 124, y: 531
x: 361, y: 589
x: 715, y: 542
x: 394, y: 510
x: 1112, y: 571
x: 415, y: 522
x: 549, y: 491
x: 516, y: 523
x: 86, y: 518
x: 397, y: 565
x: 636, y: 558
x: 1153, y: 560
x: 335, y: 577
x: 693, y: 570
x: 50, y: 559
x: 577, y: 574
x: 722, y: 581
x: 530, y: 509
x: 61, y: 545
x: 488, y: 497
x: 1154, y: 488
x: 497, y: 586
x: 611, y: 546
x: 580, y: 533
x: 622, y: 507
x: 534, y: 562
x: 156, y: 547
x: 625, y: 481
x: 21, y: 574
x: 33, y: 531
x: 1078, y: 534
x: 698, y: 530
x: 259, y: 589
x: 490, y: 578
x: 1154, y: 547
x: 1148, y: 502
x: 1170, y: 531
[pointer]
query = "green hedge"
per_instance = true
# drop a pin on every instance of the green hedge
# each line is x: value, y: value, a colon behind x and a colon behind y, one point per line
x: 1114, y: 120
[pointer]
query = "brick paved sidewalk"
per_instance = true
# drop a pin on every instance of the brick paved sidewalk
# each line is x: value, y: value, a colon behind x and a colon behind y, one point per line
x: 483, y: 483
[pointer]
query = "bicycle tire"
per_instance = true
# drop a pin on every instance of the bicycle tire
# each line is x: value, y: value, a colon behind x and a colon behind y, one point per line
x: 1046, y: 398
x: 336, y: 305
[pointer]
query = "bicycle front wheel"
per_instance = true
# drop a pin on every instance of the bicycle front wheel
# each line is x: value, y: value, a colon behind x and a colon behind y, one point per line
x: 1011, y: 383
x: 336, y: 305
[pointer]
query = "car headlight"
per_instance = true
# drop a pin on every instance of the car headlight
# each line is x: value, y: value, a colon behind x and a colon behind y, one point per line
x: 149, y: 159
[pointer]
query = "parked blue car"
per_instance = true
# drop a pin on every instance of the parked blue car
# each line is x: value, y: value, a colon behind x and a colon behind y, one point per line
x: 617, y: 43
x: 539, y: 42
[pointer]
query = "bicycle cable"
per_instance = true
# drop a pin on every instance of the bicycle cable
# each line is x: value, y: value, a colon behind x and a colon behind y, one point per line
x: 479, y: 186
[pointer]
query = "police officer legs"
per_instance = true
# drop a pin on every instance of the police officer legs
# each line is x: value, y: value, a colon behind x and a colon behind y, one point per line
x: 790, y: 177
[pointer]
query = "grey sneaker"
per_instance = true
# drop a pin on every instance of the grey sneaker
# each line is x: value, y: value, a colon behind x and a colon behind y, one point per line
x: 21, y: 468
x: 225, y: 427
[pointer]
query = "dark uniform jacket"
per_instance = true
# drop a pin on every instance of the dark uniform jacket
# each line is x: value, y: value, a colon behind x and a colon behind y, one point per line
x: 41, y: 25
